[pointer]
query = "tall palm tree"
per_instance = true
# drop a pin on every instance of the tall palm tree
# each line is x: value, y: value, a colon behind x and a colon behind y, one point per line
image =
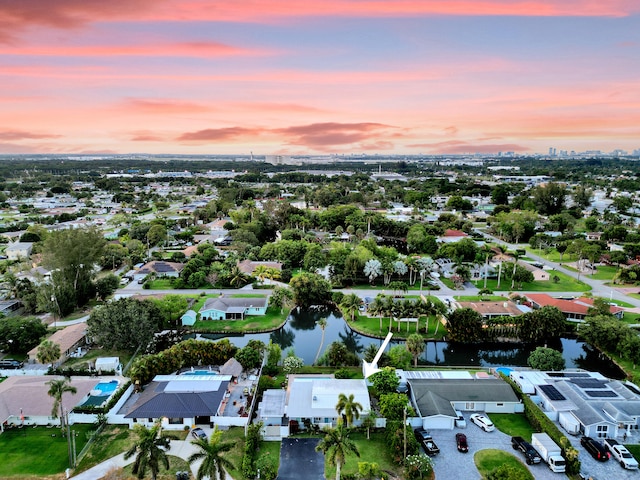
x: 322, y: 323
x: 237, y: 277
x: 48, y: 352
x: 212, y: 453
x: 56, y: 389
x: 261, y: 272
x: 350, y: 305
x: 377, y: 308
x: 150, y: 450
x: 348, y: 407
x: 415, y: 346
x: 337, y: 444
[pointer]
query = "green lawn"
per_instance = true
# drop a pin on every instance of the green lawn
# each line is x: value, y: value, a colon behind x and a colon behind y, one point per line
x: 374, y: 450
x: 513, y: 424
x: 95, y: 353
x: 476, y: 298
x: 176, y: 464
x: 371, y: 326
x: 161, y: 284
x: 235, y: 435
x: 113, y: 440
x: 604, y: 272
x: 565, y: 284
x: 631, y: 318
x: 37, y: 452
x: 271, y: 321
x: 490, y: 459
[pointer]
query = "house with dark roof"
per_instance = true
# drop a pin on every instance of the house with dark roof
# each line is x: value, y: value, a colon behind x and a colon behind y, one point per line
x: 160, y: 268
x: 575, y: 310
x: 437, y: 395
x: 185, y: 400
x: 600, y: 407
x: 232, y: 308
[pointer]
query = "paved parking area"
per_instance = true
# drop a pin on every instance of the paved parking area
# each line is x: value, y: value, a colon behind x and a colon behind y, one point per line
x: 299, y: 459
x: 450, y: 464
x: 608, y: 470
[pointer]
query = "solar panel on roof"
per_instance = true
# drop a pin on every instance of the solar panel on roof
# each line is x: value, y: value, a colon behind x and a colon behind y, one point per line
x: 601, y: 393
x: 552, y: 392
x: 589, y: 383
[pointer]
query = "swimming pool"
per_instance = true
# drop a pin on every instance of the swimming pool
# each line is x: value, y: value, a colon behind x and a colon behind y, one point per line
x: 100, y: 394
x: 201, y: 372
x: 107, y: 388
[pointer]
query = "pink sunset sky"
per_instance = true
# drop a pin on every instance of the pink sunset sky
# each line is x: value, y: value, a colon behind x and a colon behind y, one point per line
x: 319, y: 77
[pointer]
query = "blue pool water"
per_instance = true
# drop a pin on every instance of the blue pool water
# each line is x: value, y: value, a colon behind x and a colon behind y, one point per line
x: 107, y: 388
x: 201, y: 372
x: 504, y: 370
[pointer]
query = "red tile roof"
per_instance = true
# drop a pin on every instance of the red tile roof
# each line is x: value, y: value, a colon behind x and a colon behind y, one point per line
x: 577, y: 306
x: 454, y: 233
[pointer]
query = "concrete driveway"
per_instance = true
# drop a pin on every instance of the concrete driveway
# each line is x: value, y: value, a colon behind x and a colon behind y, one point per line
x: 450, y: 464
x: 299, y: 459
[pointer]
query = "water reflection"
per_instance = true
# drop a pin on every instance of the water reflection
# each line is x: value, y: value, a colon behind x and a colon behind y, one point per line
x: 302, y: 333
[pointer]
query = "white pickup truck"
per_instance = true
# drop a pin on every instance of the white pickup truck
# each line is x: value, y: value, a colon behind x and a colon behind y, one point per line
x: 621, y: 454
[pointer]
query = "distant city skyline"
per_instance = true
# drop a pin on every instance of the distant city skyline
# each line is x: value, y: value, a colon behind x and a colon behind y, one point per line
x: 319, y: 77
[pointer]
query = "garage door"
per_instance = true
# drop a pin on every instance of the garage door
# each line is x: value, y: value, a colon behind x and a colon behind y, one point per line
x: 438, y: 422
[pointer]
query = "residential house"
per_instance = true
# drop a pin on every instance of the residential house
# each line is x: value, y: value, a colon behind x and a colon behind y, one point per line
x: 437, y: 395
x: 189, y: 318
x: 18, y: 250
x: 601, y: 407
x: 452, y: 236
x: 231, y: 308
x: 575, y: 309
x: 160, y: 268
x: 249, y: 266
x: 538, y: 273
x: 10, y: 307
x: 25, y: 401
x: 71, y: 339
x: 309, y: 399
x: 490, y: 310
x: 183, y: 400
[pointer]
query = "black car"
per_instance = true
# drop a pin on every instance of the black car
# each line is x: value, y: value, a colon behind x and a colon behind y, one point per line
x: 461, y: 442
x: 10, y: 364
x: 595, y: 448
x: 530, y: 453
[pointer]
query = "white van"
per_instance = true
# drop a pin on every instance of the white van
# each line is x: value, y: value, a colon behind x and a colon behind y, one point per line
x: 460, y: 421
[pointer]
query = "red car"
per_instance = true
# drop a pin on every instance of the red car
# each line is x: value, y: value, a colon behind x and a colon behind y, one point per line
x: 461, y: 442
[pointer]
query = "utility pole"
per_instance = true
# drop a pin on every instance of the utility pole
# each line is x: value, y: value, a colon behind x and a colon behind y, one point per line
x: 404, y: 426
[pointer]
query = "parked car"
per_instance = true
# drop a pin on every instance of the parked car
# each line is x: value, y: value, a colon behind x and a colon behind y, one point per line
x: 460, y: 421
x: 425, y: 439
x: 461, y: 442
x: 482, y: 422
x: 198, y: 433
x: 595, y: 448
x: 11, y: 364
x: 530, y: 453
x: 621, y: 454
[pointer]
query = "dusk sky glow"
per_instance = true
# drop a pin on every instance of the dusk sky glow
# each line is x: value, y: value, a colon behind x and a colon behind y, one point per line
x: 319, y: 77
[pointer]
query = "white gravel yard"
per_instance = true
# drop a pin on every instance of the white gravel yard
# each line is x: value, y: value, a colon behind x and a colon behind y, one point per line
x: 450, y: 464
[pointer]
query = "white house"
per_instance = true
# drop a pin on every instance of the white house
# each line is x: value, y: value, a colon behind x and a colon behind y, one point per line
x: 18, y: 250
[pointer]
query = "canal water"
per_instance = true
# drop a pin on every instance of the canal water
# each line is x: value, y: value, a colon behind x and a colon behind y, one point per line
x: 302, y: 334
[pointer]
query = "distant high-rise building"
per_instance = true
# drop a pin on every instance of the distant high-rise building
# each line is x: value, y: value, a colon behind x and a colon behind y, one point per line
x: 552, y: 151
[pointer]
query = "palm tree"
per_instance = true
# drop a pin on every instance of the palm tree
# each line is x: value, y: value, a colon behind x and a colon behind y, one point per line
x: 237, y: 277
x: 48, y: 352
x: 337, y: 444
x: 348, y: 408
x: 322, y: 323
x: 377, y: 308
x: 350, y: 305
x: 261, y: 272
x: 150, y: 449
x: 415, y: 346
x: 212, y: 454
x: 56, y: 389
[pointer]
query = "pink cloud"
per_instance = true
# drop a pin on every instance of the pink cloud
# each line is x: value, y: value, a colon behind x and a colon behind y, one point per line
x: 219, y: 134
x: 323, y: 134
x: 161, y: 106
x: 13, y: 135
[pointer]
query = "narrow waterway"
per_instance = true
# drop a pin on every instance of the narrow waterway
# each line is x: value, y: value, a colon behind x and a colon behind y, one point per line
x: 302, y: 334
